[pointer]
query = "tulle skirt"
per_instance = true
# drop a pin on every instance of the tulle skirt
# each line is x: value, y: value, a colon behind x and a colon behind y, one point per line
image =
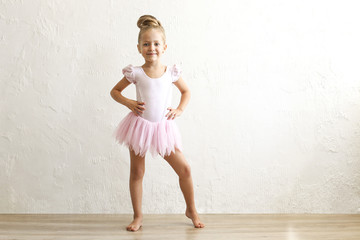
x: 142, y: 135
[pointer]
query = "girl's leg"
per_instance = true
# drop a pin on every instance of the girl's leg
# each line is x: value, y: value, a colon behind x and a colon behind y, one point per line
x: 137, y: 170
x: 178, y: 162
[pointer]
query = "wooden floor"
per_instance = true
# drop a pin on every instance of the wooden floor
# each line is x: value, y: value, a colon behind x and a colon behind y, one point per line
x: 177, y: 226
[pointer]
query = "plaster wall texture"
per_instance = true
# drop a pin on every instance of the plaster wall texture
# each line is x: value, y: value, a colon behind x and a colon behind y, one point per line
x: 272, y: 125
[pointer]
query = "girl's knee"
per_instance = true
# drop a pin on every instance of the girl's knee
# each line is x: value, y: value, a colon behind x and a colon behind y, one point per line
x: 136, y: 174
x: 185, y: 171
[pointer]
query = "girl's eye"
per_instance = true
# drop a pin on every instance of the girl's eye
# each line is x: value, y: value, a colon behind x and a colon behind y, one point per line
x: 156, y: 44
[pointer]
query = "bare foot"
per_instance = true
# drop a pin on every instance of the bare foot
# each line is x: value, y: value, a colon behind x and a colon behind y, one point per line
x: 193, y: 215
x: 135, y: 224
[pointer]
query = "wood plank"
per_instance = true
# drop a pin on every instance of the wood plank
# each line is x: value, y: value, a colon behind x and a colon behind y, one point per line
x: 178, y: 226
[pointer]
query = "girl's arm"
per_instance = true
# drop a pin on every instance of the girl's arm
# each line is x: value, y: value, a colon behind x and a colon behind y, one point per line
x: 134, y: 106
x: 116, y: 91
x: 185, y: 93
x: 185, y: 97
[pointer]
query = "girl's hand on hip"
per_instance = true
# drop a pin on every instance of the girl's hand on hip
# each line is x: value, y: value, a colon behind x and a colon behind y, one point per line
x: 136, y: 107
x: 173, y: 113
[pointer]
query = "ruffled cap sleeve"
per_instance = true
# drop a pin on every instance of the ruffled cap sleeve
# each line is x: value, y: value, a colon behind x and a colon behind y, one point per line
x: 176, y: 72
x: 128, y: 72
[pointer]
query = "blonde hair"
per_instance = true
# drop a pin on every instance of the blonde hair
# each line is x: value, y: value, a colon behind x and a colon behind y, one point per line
x: 147, y: 22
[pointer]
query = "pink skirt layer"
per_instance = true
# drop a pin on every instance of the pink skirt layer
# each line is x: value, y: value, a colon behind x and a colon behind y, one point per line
x: 142, y: 135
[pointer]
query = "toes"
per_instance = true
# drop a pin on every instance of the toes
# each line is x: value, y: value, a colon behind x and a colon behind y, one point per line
x: 199, y: 225
x: 130, y: 228
x: 133, y: 228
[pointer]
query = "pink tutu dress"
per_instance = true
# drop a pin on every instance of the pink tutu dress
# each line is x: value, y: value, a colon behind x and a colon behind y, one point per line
x: 151, y: 130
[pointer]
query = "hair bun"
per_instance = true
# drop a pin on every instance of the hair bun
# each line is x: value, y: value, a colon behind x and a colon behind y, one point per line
x: 148, y: 21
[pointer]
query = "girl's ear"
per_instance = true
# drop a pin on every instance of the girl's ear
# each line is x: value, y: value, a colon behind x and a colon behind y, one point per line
x: 165, y: 47
x: 138, y: 47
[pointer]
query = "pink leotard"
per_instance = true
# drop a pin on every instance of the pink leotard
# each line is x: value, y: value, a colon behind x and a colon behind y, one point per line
x: 151, y: 130
x: 155, y: 92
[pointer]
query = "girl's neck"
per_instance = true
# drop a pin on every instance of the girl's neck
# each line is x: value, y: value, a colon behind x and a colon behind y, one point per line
x: 154, y: 65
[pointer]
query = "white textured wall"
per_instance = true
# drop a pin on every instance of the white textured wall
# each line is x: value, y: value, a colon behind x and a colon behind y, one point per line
x: 272, y: 126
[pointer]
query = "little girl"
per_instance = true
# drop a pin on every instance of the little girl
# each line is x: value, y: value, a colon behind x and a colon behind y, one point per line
x: 148, y: 126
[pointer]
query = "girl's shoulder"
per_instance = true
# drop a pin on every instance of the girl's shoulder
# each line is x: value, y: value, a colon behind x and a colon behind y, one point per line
x: 130, y: 68
x: 130, y: 72
x: 175, y: 70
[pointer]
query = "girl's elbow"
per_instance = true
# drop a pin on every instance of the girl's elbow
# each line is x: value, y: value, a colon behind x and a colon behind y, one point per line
x: 112, y: 92
x: 186, y: 91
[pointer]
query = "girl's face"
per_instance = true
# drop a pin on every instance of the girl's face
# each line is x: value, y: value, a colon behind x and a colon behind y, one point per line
x: 151, y: 45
